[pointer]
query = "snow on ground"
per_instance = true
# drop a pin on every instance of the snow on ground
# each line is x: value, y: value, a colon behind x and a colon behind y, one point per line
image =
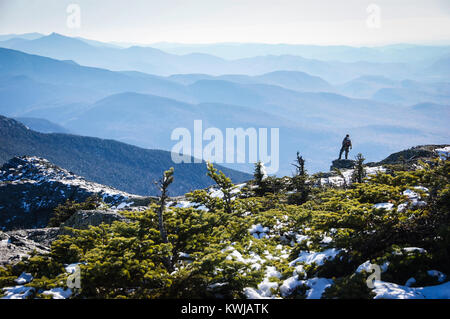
x: 366, y: 266
x: 315, y: 257
x: 24, y: 278
x: 17, y: 292
x: 22, y: 292
x: 414, y: 199
x: 123, y: 205
x: 347, y: 174
x: 444, y: 153
x: 71, y: 267
x: 255, y: 260
x: 421, y: 188
x: 186, y: 204
x: 316, y: 286
x: 387, y: 290
x: 266, y: 287
x: 299, y: 238
x: 386, y: 206
x: 411, y: 194
x: 414, y: 250
x: 184, y: 255
x: 439, y: 275
x: 58, y: 293
x: 214, y: 192
x: 258, y: 231
x: 36, y: 170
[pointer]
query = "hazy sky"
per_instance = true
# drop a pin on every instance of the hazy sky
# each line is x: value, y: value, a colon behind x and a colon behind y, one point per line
x: 352, y: 22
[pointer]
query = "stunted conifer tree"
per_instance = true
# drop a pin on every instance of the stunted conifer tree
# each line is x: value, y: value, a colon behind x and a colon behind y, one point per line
x: 163, y: 185
x: 259, y: 176
x: 299, y: 165
x: 359, y: 172
x: 225, y: 185
x: 299, y: 182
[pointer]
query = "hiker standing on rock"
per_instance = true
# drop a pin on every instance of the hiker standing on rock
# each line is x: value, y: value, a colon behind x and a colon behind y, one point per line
x: 346, y: 145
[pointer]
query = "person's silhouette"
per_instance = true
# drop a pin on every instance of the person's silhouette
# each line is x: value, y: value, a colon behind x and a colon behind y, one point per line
x: 346, y: 146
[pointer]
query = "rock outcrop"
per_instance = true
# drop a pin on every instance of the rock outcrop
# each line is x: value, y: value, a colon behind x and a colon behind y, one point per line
x: 85, y: 218
x: 409, y: 158
x: 413, y: 155
x: 15, y: 245
x: 31, y: 187
x: 342, y: 164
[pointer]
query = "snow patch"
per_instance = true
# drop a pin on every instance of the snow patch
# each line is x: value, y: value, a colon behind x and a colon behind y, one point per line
x: 386, y: 206
x: 315, y: 257
x: 387, y: 290
x: 58, y: 293
x: 24, y: 278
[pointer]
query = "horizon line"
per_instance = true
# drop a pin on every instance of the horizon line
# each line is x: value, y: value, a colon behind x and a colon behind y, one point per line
x: 118, y: 42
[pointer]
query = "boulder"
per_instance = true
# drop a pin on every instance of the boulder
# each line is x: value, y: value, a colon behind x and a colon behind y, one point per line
x: 17, y: 244
x: 342, y: 164
x: 85, y: 218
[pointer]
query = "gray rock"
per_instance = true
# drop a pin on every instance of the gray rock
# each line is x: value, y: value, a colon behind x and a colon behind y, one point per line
x: 41, y: 236
x: 411, y: 156
x: 17, y: 244
x: 342, y: 164
x: 85, y: 218
x: 31, y: 187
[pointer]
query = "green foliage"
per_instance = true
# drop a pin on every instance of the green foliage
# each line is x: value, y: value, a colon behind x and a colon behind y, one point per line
x: 300, y: 183
x: 349, y: 287
x: 298, y: 293
x: 64, y: 211
x: 260, y: 179
x: 376, y: 193
x: 214, y: 255
x: 359, y: 172
x: 164, y: 184
x: 6, y: 277
x: 225, y: 185
x: 301, y: 190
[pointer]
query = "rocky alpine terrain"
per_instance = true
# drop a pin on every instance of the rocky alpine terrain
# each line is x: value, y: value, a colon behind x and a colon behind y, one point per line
x: 283, y: 244
x: 31, y: 187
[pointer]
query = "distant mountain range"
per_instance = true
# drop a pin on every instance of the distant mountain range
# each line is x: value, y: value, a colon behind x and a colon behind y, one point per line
x: 143, y: 109
x: 155, y: 61
x: 23, y: 36
x: 410, y: 53
x: 406, y: 92
x: 41, y: 125
x: 404, y: 53
x: 125, y: 167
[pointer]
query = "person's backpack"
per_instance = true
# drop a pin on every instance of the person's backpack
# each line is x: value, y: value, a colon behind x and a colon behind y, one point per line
x: 347, y: 142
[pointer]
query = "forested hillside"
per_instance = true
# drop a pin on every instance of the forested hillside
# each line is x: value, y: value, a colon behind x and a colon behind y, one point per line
x: 125, y: 167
